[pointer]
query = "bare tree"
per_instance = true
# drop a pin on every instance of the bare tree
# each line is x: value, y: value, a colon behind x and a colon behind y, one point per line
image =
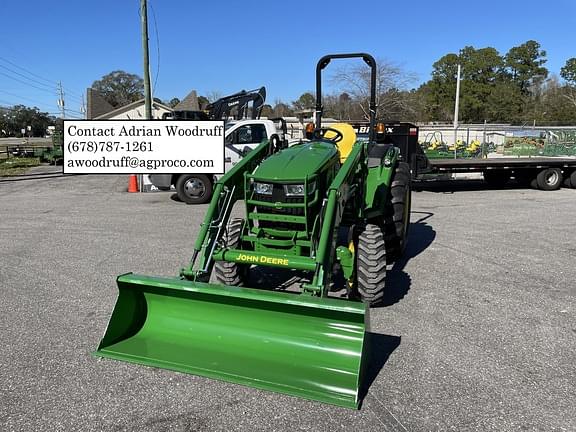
x: 341, y: 107
x: 213, y: 96
x: 282, y: 109
x: 392, y: 81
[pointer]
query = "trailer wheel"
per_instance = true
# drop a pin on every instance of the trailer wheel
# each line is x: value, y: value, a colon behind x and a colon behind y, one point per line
x: 397, y: 212
x: 570, y: 180
x: 549, y: 179
x: 371, y: 265
x: 194, y: 188
x: 496, y: 178
x: 231, y: 273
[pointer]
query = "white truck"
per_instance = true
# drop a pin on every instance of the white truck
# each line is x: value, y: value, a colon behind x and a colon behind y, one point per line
x: 240, y: 137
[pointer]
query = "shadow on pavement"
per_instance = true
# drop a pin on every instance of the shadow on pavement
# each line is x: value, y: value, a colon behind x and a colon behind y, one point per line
x: 379, y: 348
x: 420, y: 236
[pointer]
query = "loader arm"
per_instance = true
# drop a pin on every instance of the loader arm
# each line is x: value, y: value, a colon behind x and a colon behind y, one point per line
x: 339, y: 192
x: 382, y: 158
x: 229, y: 189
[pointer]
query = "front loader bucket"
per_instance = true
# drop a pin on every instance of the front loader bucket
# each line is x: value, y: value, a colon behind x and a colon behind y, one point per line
x: 295, y: 344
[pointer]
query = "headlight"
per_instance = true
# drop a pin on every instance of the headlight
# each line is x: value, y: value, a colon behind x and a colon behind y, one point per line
x: 263, y: 188
x: 294, y: 190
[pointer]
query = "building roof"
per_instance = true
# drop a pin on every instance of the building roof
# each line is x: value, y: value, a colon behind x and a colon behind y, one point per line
x: 125, y: 108
x: 189, y: 103
x: 96, y: 104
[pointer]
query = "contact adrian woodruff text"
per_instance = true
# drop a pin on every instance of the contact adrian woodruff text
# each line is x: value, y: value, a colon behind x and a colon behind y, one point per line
x: 145, y: 131
x: 141, y: 146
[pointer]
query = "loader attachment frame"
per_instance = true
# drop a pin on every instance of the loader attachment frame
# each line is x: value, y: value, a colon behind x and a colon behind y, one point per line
x: 228, y: 190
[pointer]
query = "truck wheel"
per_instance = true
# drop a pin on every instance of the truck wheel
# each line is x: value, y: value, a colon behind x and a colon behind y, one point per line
x: 231, y: 273
x: 496, y: 178
x: 549, y: 179
x: 194, y: 188
x: 397, y: 212
x: 371, y: 265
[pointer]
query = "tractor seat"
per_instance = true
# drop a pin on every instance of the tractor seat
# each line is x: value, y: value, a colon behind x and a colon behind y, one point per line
x: 347, y: 141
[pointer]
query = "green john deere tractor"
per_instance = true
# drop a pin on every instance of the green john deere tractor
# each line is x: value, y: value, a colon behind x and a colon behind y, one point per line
x: 330, y: 205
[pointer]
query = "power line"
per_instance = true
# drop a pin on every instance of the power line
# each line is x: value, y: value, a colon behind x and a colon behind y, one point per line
x: 72, y: 94
x: 27, y: 71
x: 26, y: 83
x: 25, y: 77
x: 74, y: 111
x: 74, y: 98
x: 22, y: 97
x: 12, y: 105
x: 5, y: 101
x: 147, y: 89
x: 157, y: 48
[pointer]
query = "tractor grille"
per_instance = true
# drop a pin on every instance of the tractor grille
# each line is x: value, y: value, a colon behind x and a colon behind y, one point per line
x: 278, y: 195
x: 283, y: 199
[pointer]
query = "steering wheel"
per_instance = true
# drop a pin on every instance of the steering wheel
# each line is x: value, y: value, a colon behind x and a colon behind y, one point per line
x: 320, y: 133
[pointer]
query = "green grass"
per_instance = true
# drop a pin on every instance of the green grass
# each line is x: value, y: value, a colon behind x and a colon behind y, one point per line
x: 17, y: 166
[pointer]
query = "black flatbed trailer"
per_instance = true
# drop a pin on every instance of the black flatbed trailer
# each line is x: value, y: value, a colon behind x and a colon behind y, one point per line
x: 546, y: 173
x: 503, y: 163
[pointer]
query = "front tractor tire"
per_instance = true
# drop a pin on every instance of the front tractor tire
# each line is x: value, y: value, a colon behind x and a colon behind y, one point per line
x: 194, y: 188
x: 397, y: 212
x: 371, y: 265
x: 231, y: 273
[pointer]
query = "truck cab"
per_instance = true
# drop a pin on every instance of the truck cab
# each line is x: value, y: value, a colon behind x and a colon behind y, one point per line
x: 240, y: 137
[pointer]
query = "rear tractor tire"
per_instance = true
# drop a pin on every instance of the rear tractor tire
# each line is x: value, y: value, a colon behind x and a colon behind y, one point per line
x: 231, y: 273
x: 397, y: 212
x: 371, y: 265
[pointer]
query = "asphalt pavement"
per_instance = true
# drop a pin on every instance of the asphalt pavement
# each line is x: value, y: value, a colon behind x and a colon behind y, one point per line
x: 478, y: 332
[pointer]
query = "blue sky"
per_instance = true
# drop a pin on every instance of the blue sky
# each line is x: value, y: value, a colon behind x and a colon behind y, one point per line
x: 227, y: 46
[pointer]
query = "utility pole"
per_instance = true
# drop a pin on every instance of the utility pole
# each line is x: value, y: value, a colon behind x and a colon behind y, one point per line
x: 83, y: 107
x: 147, y: 92
x: 61, y: 100
x: 456, y: 105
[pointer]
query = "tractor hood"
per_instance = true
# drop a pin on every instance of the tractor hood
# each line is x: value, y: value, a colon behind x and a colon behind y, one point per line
x: 296, y: 162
